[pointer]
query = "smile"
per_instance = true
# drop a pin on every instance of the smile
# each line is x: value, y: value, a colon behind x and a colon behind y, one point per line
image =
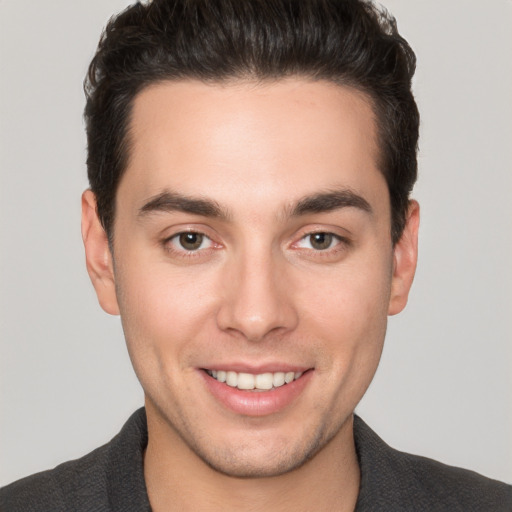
x: 256, y: 394
x: 249, y: 381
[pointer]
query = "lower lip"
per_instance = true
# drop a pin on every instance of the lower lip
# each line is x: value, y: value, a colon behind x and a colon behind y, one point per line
x: 256, y: 403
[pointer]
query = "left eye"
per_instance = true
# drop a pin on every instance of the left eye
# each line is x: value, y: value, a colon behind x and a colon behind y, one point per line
x: 319, y: 241
x: 190, y: 241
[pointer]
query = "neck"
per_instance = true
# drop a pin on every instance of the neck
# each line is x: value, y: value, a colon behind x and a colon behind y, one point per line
x: 176, y: 478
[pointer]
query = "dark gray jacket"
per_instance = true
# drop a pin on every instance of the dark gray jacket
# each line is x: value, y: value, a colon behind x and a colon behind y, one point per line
x: 111, y: 479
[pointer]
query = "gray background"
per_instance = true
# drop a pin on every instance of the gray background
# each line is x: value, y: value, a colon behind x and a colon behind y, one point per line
x: 444, y: 387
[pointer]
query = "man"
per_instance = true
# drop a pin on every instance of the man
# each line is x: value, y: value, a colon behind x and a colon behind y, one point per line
x: 249, y: 218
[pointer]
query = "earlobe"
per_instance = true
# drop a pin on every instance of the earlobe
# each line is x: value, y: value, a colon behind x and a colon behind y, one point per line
x: 405, y: 255
x: 98, y: 256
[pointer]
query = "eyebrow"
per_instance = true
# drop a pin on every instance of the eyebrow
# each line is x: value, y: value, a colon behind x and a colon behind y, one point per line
x: 321, y: 202
x: 329, y: 201
x: 172, y: 202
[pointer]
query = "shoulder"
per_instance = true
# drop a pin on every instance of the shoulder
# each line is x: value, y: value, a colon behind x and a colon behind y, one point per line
x: 109, y: 478
x: 76, y: 484
x: 450, y: 488
x: 398, y: 481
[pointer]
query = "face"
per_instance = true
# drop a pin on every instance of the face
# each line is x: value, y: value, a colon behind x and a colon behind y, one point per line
x: 253, y: 266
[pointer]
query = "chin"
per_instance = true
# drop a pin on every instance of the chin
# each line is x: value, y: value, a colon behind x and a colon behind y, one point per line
x: 261, y: 458
x: 241, y: 466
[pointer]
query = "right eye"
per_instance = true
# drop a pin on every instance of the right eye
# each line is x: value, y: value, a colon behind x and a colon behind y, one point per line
x: 189, y: 241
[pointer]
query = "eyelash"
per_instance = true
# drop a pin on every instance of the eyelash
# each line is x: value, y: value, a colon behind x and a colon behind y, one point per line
x: 331, y: 237
x: 336, y: 244
x: 170, y: 245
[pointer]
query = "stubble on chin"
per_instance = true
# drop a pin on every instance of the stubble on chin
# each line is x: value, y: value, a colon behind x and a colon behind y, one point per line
x: 240, y: 460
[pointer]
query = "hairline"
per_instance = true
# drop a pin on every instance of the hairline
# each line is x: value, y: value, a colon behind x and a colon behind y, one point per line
x: 241, y: 79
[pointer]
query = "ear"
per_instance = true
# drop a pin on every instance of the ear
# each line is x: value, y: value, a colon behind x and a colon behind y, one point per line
x: 405, y: 257
x: 98, y: 256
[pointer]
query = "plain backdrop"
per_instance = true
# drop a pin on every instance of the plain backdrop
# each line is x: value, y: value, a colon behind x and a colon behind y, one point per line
x: 444, y: 387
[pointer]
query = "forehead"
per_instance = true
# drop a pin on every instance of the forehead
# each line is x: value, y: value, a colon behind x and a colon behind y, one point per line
x: 260, y: 142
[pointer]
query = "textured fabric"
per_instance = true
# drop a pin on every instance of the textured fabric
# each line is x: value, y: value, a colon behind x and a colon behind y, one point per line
x: 111, y: 479
x: 108, y: 479
x: 393, y: 481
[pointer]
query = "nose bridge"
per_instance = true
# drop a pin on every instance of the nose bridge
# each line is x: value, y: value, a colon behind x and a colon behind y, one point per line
x: 254, y: 300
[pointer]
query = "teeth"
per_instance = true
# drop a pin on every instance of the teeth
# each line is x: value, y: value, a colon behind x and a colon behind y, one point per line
x: 232, y: 379
x: 264, y: 381
x: 245, y: 381
x: 278, y: 379
x: 248, y: 381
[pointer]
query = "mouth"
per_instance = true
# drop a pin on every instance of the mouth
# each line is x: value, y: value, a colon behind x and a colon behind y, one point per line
x: 258, y: 382
x: 256, y: 394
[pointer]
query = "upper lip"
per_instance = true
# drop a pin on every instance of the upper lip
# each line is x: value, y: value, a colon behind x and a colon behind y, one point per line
x: 256, y: 369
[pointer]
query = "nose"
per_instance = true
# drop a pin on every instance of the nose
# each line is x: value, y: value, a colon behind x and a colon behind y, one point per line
x: 257, y: 299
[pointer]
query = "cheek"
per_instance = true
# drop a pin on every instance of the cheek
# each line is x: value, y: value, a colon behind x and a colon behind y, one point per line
x: 348, y: 311
x: 350, y: 295
x: 162, y: 311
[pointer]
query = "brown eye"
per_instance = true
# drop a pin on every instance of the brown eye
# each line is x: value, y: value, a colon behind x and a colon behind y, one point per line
x: 321, y: 241
x: 191, y: 241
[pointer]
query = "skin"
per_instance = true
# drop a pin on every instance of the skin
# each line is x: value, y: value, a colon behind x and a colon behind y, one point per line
x: 258, y: 291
